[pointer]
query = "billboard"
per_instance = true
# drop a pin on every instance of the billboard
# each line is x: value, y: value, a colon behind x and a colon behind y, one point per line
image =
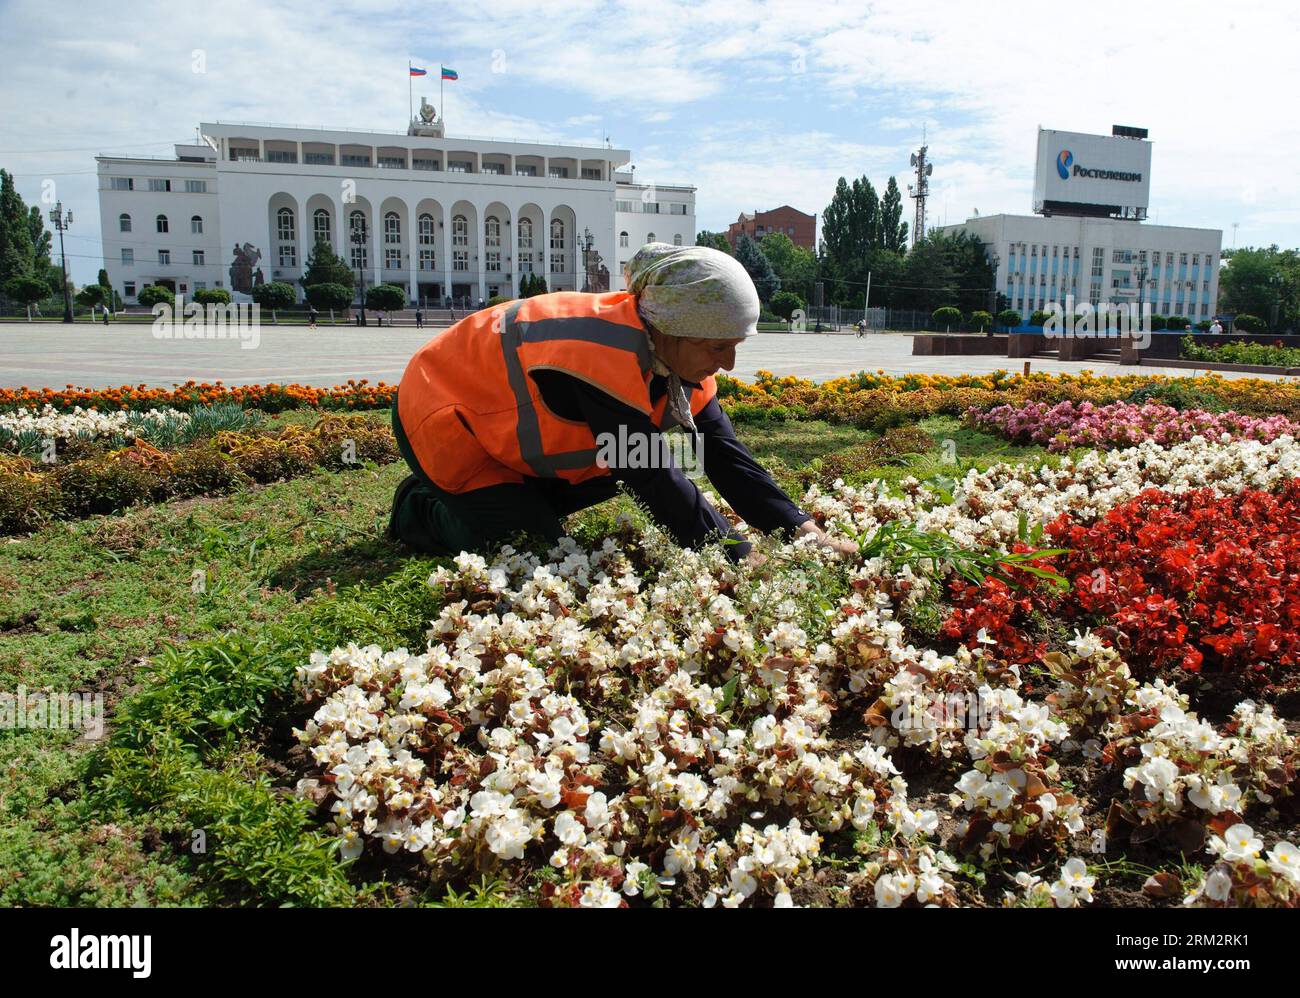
x: 1100, y: 175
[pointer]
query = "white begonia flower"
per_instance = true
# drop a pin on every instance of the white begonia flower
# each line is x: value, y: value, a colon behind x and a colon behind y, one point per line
x: 1218, y: 885
x: 599, y: 895
x: 1284, y: 859
x: 569, y: 830
x: 887, y: 893
x: 1238, y: 842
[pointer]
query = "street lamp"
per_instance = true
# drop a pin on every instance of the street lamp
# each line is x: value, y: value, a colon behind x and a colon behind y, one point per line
x: 62, y: 220
x: 359, y: 241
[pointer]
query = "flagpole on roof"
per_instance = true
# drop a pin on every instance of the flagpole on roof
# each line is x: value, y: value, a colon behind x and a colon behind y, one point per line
x: 410, y: 100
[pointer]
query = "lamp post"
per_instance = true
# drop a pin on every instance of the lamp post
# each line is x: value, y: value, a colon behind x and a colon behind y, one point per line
x: 62, y: 220
x: 359, y: 241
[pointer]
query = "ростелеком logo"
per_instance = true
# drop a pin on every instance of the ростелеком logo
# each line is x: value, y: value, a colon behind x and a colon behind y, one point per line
x: 1063, y: 162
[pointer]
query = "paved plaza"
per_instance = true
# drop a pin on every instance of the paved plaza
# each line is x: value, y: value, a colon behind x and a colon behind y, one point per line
x: 52, y: 355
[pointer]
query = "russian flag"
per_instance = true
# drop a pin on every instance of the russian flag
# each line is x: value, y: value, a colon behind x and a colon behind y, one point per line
x: 449, y: 74
x: 418, y: 72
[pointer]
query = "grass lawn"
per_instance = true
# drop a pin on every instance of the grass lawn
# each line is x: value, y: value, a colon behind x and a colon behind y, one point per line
x: 187, y: 799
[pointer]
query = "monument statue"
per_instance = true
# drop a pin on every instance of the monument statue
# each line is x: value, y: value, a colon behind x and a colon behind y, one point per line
x: 244, y: 272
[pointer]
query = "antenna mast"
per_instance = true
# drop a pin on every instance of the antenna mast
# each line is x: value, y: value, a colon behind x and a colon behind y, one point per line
x: 921, y: 189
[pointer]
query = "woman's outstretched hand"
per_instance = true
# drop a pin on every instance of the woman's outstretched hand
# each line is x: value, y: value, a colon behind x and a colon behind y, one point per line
x: 839, y: 545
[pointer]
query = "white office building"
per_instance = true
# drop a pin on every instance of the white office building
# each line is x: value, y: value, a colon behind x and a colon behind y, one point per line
x: 1090, y: 239
x: 436, y: 215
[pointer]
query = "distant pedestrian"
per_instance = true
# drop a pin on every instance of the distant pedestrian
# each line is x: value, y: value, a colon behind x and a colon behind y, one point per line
x: 419, y: 318
x: 1215, y: 327
x: 311, y: 317
x: 106, y: 316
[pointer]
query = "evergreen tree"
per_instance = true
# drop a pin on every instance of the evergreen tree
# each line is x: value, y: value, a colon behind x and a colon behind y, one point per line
x: 17, y: 253
x: 759, y: 268
x: 893, y: 229
x: 714, y: 240
x: 42, y: 241
x: 324, y: 266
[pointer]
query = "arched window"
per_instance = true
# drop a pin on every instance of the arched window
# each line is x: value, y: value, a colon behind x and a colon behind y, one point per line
x: 392, y: 228
x: 426, y: 230
x: 650, y: 238
x: 460, y: 231
x: 284, y: 225
x: 525, y: 233
x: 677, y: 239
x: 357, y: 222
x: 320, y: 221
x: 161, y: 223
x: 124, y: 222
x: 557, y: 234
x: 622, y: 239
x: 196, y: 225
x: 492, y: 230
x: 360, y: 257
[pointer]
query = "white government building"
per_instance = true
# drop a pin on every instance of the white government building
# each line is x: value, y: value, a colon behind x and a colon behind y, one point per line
x: 441, y: 216
x: 1090, y: 238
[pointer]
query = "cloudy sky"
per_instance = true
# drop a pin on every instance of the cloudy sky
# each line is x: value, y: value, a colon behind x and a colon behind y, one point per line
x: 756, y: 104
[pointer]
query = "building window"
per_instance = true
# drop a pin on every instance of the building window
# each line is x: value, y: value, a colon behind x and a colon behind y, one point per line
x: 525, y: 233
x: 158, y: 184
x: 196, y: 225
x: 164, y: 258
x: 622, y: 238
x: 525, y: 171
x: 557, y: 246
x: 128, y: 257
x: 244, y: 154
x: 320, y: 221
x: 354, y: 159
x: 677, y: 239
x: 494, y: 260
x: 281, y: 156
x: 196, y: 187
x: 460, y: 231
x: 460, y: 259
x: 492, y: 232
x: 591, y: 173
x: 392, y: 162
x: 1169, y: 259
x: 128, y: 289
x: 284, y: 226
x: 123, y: 184
x: 392, y: 258
x: 426, y: 164
x: 558, y: 172
x: 288, y: 255
x: 426, y: 231
x: 318, y: 158
x: 160, y: 223
x: 198, y: 258
x: 650, y: 237
x: 124, y: 222
x: 426, y: 259
x: 495, y: 169
x: 1196, y: 259
x: 392, y: 228
x: 1182, y: 259
x: 459, y: 166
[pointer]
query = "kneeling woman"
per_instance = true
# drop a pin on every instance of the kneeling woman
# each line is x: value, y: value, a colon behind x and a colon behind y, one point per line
x: 523, y: 413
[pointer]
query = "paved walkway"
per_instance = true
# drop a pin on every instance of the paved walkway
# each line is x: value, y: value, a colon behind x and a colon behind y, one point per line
x: 40, y: 356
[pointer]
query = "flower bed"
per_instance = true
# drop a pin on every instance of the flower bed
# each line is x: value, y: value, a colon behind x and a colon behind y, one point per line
x: 1067, y: 425
x: 639, y: 723
x: 271, y: 398
x: 34, y: 493
x: 1195, y: 581
x: 1233, y: 352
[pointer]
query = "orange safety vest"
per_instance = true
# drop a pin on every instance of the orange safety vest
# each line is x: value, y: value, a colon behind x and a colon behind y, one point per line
x: 473, y: 414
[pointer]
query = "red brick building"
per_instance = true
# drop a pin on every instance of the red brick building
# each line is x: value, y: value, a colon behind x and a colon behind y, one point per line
x: 801, y: 228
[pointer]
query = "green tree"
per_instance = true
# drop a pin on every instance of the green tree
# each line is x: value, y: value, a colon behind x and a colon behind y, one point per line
x: 42, y: 241
x: 92, y: 296
x: 714, y: 240
x: 928, y: 277
x: 893, y: 230
x: 212, y: 296
x: 1246, y: 323
x: 786, y: 303
x: 766, y: 283
x: 1258, y: 281
x: 17, y: 252
x: 1009, y: 317
x: 274, y: 295
x: 947, y: 317
x: 155, y: 294
x: 26, y: 291
x: 385, y: 298
x: 795, y: 266
x: 330, y: 296
x: 324, y: 266
x: 981, y: 320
